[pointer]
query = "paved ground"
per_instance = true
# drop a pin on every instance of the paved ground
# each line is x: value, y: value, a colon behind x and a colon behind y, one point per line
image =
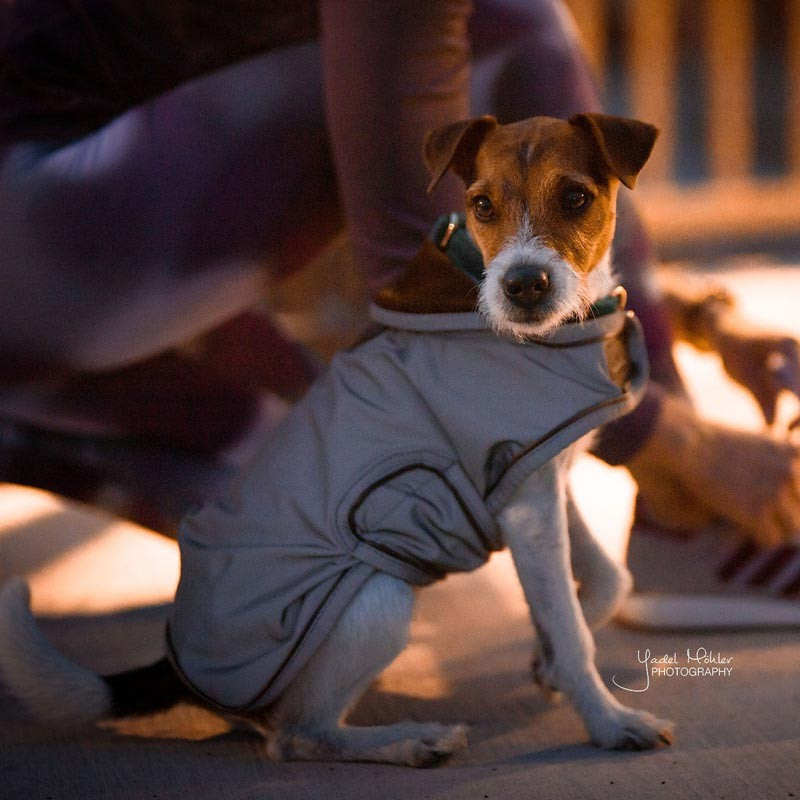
x: 102, y: 584
x: 737, y: 737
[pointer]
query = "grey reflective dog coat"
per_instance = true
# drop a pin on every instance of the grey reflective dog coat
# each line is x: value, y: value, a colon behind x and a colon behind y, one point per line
x: 398, y: 460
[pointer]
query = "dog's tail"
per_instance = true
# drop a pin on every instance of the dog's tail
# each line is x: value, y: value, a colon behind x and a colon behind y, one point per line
x: 56, y: 690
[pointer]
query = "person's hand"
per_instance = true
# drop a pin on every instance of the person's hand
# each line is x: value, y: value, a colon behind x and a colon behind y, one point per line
x: 691, y: 472
x: 705, y: 315
x: 765, y: 363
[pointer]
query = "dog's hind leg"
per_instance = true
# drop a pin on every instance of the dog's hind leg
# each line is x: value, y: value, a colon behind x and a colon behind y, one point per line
x: 604, y: 583
x: 306, y: 723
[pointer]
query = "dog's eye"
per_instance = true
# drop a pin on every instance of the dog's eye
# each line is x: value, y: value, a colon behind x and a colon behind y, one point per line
x: 575, y: 198
x: 484, y: 210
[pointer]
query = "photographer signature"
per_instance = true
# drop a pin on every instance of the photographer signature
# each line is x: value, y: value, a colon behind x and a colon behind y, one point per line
x: 700, y: 662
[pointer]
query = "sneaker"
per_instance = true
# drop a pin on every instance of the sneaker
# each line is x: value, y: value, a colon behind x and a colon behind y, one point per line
x: 710, y: 580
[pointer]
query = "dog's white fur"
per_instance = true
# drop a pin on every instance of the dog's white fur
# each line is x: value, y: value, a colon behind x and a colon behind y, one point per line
x: 551, y: 547
x: 48, y: 684
x: 570, y: 293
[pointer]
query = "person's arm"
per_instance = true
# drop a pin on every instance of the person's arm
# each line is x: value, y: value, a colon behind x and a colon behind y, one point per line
x: 691, y: 472
x: 707, y: 316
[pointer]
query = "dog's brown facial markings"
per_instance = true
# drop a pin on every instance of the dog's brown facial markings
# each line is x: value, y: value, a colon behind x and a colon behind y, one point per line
x: 541, y: 198
x: 544, y: 177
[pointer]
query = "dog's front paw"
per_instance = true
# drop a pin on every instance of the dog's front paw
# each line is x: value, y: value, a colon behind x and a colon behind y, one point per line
x: 629, y: 729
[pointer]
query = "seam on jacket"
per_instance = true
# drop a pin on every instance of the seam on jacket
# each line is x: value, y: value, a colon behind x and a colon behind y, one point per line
x: 415, y: 562
x: 404, y: 496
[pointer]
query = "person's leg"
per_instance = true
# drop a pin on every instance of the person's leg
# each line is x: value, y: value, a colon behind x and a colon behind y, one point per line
x: 158, y: 227
x: 393, y: 71
x: 529, y: 61
x: 168, y: 220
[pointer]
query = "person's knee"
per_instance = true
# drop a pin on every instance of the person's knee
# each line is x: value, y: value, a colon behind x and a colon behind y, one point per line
x: 543, y: 70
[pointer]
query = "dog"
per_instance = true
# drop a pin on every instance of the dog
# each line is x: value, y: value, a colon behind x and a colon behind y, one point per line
x: 297, y: 583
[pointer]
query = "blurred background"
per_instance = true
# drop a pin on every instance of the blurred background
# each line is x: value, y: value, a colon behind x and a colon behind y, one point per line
x: 721, y: 79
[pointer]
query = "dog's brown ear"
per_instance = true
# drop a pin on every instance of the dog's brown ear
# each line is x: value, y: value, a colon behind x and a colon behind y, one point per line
x: 455, y: 146
x: 625, y: 144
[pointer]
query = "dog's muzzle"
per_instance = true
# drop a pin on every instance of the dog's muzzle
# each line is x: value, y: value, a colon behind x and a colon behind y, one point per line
x: 525, y: 285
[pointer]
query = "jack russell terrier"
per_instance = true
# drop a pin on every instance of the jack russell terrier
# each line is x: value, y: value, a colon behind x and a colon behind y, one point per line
x: 444, y: 436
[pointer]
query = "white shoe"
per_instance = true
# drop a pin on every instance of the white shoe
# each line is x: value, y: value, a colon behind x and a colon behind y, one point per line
x: 711, y: 580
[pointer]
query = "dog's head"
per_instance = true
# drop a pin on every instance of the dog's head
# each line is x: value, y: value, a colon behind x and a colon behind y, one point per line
x: 541, y: 198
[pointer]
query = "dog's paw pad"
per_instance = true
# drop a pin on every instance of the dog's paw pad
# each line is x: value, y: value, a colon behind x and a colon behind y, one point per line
x: 633, y: 730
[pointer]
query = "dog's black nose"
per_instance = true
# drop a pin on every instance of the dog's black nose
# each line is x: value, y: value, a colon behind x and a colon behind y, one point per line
x: 524, y: 285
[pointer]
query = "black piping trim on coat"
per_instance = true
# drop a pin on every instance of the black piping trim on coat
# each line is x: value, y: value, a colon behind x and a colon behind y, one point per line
x: 173, y: 657
x: 412, y: 561
x: 554, y: 432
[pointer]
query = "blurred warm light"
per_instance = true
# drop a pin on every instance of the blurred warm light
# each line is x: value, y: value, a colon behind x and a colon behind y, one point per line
x: 23, y: 506
x: 605, y: 495
x: 183, y: 722
x: 80, y: 560
x: 123, y: 568
x: 417, y: 671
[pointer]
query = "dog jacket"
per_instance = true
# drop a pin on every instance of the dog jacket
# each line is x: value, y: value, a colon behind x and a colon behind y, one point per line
x: 397, y: 459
